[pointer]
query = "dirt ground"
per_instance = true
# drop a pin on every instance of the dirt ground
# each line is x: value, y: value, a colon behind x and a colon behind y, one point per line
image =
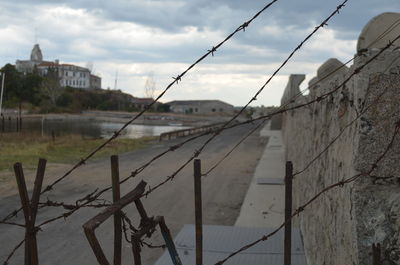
x: 63, y: 242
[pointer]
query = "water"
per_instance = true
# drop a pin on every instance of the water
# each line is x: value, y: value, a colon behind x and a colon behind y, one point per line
x: 88, y: 128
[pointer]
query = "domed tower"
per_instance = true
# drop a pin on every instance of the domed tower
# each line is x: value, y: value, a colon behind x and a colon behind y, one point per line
x: 36, y: 54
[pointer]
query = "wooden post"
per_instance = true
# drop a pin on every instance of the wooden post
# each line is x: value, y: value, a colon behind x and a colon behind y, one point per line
x: 117, y: 215
x: 37, y: 188
x: 91, y: 225
x: 198, y: 212
x: 23, y: 194
x: 288, y: 214
x: 136, y: 250
x: 30, y: 209
x: 376, y: 254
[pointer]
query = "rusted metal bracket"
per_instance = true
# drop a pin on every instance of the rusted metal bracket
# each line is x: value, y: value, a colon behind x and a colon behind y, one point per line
x: 147, y: 224
x: 147, y: 228
x: 91, y: 225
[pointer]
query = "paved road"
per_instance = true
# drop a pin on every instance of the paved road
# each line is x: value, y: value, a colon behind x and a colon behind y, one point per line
x: 63, y: 242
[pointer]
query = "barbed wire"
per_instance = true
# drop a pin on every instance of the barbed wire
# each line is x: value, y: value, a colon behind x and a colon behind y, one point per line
x: 13, y: 252
x: 147, y: 107
x: 301, y: 92
x: 94, y: 196
x: 65, y: 215
x: 324, y: 150
x: 219, y: 130
x: 90, y: 198
x: 317, y: 99
x: 240, y: 28
x: 172, y: 148
x: 300, y: 209
x: 133, y: 230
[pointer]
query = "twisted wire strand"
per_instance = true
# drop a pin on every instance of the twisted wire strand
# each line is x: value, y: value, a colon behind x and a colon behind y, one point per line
x: 116, y: 134
x: 316, y: 196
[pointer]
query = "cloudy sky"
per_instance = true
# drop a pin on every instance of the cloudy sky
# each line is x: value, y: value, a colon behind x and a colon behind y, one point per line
x: 160, y: 38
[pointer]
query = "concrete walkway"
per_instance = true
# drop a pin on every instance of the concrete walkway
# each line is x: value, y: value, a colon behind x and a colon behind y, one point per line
x: 261, y: 213
x: 264, y: 203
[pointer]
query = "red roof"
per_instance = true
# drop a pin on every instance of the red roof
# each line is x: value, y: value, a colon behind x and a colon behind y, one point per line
x: 46, y: 64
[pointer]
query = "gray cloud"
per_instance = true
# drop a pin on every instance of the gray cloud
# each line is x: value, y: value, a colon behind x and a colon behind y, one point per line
x: 180, y: 31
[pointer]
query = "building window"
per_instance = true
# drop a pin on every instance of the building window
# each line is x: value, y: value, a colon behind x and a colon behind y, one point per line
x: 66, y: 73
x: 213, y: 110
x: 196, y: 110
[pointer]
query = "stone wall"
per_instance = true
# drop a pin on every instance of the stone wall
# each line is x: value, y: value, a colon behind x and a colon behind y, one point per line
x: 355, y: 125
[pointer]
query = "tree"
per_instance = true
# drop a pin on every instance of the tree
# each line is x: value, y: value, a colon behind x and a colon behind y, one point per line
x: 51, y: 87
x: 12, y: 83
x: 30, y: 89
x: 21, y: 88
x: 150, y: 86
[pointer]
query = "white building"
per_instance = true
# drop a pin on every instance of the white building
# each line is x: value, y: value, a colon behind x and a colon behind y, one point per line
x: 68, y: 74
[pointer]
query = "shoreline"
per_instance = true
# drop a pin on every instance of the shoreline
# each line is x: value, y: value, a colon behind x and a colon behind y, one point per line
x: 123, y: 117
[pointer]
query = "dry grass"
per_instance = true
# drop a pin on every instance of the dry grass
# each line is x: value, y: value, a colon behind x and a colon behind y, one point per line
x: 28, y: 148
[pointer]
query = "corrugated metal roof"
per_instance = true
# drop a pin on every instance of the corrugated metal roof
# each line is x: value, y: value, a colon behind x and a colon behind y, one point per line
x: 220, y: 241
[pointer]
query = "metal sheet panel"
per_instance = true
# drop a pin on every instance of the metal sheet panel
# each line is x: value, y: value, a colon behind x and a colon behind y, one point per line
x: 271, y: 181
x: 220, y: 241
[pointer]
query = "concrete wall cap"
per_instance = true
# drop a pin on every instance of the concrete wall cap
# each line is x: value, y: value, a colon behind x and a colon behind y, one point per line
x: 331, y: 67
x: 313, y: 81
x: 292, y: 88
x: 371, y: 35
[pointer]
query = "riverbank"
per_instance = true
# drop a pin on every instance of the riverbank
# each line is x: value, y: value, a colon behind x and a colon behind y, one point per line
x: 27, y: 148
x: 123, y: 117
x: 223, y: 192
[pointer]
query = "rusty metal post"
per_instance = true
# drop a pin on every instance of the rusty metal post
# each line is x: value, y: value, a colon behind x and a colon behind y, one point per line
x: 141, y: 210
x: 376, y: 254
x: 30, y: 210
x: 23, y: 194
x: 136, y: 250
x: 117, y: 215
x: 288, y: 214
x: 91, y: 225
x: 198, y: 212
x: 37, y: 188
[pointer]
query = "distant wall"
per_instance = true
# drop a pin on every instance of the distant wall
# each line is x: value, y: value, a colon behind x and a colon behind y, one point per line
x: 340, y: 227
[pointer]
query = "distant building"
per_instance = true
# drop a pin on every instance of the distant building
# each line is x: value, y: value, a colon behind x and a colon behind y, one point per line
x: 27, y: 66
x: 141, y: 103
x: 95, y: 81
x: 68, y: 74
x: 200, y: 106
